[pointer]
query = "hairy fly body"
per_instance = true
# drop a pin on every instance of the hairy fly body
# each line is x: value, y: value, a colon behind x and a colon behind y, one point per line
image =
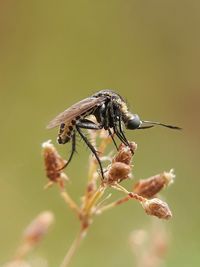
x: 111, y: 113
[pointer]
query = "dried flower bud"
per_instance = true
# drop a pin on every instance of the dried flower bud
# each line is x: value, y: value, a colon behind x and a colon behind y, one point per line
x: 53, y: 163
x: 125, y: 154
x: 150, y: 187
x: 38, y: 227
x: 117, y: 172
x: 120, y: 167
x: 157, y: 207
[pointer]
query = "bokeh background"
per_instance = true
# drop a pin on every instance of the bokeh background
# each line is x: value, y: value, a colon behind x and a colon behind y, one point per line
x: 54, y: 53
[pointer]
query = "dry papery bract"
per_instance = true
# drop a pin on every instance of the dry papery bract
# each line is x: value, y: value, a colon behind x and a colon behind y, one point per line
x: 95, y: 200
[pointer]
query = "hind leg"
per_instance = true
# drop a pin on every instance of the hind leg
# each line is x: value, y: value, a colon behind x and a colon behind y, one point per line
x: 72, y: 150
x: 91, y: 147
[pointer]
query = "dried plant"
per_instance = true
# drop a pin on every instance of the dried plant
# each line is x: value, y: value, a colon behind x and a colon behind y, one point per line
x: 150, y: 246
x: 31, y: 237
x: 94, y: 201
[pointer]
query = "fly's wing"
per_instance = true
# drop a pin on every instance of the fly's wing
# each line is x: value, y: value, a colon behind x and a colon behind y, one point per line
x: 75, y: 110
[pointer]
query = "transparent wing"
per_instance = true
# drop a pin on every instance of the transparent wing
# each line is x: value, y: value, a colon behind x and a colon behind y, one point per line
x: 75, y: 110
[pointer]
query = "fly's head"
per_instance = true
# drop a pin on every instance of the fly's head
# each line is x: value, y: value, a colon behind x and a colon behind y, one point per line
x: 132, y: 121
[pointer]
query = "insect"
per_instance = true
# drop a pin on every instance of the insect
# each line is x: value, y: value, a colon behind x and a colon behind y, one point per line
x: 111, y: 113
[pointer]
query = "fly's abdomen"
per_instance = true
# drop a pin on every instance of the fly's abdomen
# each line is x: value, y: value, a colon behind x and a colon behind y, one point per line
x: 65, y: 133
x: 66, y: 130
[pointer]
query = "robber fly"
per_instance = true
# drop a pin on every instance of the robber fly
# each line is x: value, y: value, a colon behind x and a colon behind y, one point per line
x: 111, y: 113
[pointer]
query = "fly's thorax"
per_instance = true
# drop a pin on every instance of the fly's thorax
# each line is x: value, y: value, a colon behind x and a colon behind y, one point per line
x: 106, y: 92
x: 122, y: 105
x: 131, y: 121
x: 127, y: 115
x: 109, y: 94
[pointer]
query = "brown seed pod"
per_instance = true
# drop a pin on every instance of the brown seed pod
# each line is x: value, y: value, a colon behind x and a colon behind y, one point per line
x: 157, y: 207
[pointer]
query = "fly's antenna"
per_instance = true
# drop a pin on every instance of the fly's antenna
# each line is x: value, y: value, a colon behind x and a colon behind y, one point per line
x: 153, y: 123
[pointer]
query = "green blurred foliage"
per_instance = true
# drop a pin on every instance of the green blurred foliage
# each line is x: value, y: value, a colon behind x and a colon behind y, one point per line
x: 53, y: 54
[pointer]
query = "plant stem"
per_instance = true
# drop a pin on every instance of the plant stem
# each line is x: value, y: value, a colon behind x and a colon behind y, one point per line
x: 70, y: 201
x: 96, y: 196
x: 120, y: 188
x: 74, y: 246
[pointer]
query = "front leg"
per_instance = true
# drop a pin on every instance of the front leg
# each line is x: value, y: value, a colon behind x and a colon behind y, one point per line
x: 116, y: 122
x: 103, y: 115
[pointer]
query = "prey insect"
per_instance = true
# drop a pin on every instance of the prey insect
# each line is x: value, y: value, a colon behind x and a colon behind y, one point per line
x: 111, y: 113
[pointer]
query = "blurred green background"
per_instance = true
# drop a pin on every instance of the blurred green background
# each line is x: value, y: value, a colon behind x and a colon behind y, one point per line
x: 54, y: 53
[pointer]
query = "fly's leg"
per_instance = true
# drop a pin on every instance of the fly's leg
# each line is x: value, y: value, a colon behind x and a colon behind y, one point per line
x: 121, y: 131
x: 115, y: 120
x: 87, y: 124
x: 111, y: 135
x: 72, y: 151
x: 78, y: 127
x: 104, y: 118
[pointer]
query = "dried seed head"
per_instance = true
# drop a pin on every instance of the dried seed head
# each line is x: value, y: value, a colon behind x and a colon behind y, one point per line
x: 117, y: 172
x: 34, y: 233
x: 120, y: 167
x: 53, y: 163
x: 157, y: 207
x: 125, y: 154
x: 150, y: 187
x: 38, y: 227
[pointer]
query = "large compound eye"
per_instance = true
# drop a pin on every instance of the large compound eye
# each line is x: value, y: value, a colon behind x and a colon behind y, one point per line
x: 133, y: 123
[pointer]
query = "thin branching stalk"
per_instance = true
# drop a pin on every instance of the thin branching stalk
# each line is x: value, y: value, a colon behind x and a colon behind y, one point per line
x: 74, y: 247
x: 70, y: 201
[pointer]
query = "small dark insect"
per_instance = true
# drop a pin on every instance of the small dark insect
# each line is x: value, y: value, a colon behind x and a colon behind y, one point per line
x: 110, y: 111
